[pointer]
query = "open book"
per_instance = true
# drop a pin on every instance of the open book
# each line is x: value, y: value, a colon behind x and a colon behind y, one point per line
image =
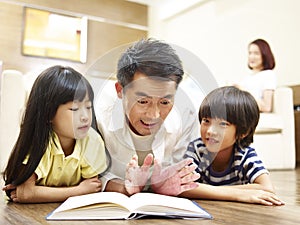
x: 114, y: 205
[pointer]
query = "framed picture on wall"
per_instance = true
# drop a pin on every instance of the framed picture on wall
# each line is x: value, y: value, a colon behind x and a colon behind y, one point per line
x: 54, y: 35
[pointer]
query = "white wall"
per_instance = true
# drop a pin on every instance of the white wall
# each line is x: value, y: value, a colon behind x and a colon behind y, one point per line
x: 218, y: 32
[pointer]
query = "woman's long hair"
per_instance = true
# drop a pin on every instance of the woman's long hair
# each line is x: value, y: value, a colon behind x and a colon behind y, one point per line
x: 55, y: 86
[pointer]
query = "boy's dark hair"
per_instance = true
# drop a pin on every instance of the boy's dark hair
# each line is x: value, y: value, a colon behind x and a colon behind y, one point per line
x: 152, y: 58
x: 236, y: 106
x: 268, y: 59
x: 55, y: 86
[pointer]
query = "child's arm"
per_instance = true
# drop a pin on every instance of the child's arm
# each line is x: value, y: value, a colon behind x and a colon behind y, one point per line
x: 233, y: 193
x: 29, y: 192
x: 116, y: 185
x: 262, y: 182
x: 258, y: 193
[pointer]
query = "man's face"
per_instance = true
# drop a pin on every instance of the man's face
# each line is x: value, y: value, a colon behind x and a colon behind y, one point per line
x: 147, y: 102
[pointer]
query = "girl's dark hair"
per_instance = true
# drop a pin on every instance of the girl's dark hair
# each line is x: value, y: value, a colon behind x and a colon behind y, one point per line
x: 266, y: 53
x: 152, y: 58
x: 236, y: 106
x: 55, y: 86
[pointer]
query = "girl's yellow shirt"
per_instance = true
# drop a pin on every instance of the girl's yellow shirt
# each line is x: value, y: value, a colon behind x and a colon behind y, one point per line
x: 87, y: 160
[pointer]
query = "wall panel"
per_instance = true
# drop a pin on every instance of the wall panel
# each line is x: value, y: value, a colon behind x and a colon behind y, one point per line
x: 102, y: 35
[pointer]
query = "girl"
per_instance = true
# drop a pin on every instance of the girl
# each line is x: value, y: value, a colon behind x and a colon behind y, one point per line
x: 229, y: 168
x: 57, y: 154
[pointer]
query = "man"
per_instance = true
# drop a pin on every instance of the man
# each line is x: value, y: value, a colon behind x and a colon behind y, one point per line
x: 145, y: 130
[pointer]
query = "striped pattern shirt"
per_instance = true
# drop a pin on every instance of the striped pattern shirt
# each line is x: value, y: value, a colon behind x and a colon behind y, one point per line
x: 245, y: 166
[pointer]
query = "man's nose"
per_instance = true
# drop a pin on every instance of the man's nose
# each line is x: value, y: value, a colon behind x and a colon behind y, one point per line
x: 153, y: 111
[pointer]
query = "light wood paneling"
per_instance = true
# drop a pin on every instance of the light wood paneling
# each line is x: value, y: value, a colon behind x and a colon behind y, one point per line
x: 296, y: 96
x: 297, y: 136
x: 102, y: 36
x: 119, y: 10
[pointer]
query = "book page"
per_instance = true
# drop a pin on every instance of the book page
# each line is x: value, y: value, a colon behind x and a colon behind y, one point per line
x: 101, y: 211
x: 114, y: 205
x: 94, y: 198
x: 166, y: 204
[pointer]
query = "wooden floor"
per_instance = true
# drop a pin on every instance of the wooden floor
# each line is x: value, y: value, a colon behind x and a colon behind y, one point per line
x: 287, y: 184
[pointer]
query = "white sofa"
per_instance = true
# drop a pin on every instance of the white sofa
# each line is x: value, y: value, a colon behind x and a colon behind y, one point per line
x: 13, y: 97
x: 274, y: 139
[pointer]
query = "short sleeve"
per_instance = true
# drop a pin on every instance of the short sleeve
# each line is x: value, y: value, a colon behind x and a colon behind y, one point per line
x: 270, y: 80
x: 254, y: 166
x: 44, y: 166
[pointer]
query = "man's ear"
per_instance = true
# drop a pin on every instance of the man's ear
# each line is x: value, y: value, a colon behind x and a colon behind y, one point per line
x: 119, y: 89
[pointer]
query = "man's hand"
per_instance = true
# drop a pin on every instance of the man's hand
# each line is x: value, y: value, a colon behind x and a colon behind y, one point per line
x: 136, y: 176
x: 174, y: 179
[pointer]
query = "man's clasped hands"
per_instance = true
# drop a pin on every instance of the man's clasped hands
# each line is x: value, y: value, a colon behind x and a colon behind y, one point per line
x: 170, y: 180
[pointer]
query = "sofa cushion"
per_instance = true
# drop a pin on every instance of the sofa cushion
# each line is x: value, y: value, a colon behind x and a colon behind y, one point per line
x: 269, y: 123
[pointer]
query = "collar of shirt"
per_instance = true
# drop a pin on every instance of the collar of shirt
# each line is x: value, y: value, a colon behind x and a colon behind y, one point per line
x: 55, y: 145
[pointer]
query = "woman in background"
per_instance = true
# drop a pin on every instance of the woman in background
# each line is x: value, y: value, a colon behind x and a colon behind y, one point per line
x: 262, y: 82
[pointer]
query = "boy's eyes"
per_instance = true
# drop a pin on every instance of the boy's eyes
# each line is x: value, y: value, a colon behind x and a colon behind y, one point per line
x: 221, y: 123
x: 205, y: 120
x: 224, y: 124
